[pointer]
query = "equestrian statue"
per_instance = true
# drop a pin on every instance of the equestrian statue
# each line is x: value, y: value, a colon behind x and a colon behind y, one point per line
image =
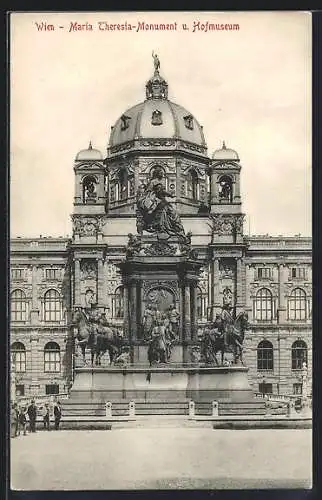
x: 96, y: 334
x: 224, y: 335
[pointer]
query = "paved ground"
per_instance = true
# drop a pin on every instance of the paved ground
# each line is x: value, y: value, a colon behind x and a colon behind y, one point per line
x: 161, y: 459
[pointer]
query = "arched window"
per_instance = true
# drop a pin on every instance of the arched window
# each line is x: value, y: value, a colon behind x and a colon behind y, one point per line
x: 52, y: 306
x: 226, y: 189
x: 89, y: 189
x: 192, y: 185
x: 265, y: 355
x: 297, y: 305
x: 201, y: 304
x: 122, y: 191
x: 18, y: 352
x: 264, y: 305
x: 52, y: 358
x: 18, y: 306
x: 299, y: 354
x: 118, y: 303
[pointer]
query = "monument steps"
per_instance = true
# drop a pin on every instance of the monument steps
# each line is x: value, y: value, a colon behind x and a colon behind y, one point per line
x: 120, y: 408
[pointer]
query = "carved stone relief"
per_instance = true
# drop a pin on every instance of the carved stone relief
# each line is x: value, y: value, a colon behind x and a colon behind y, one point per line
x: 88, y: 269
x: 87, y: 226
x: 166, y: 284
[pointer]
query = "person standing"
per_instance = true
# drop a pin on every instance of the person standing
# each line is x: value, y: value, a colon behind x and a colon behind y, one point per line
x: 23, y: 421
x: 46, y: 417
x: 14, y: 420
x: 57, y: 415
x: 32, y: 414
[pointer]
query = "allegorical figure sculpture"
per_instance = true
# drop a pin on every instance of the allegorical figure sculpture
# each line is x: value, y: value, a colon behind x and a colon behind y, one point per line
x: 148, y: 320
x: 155, y: 212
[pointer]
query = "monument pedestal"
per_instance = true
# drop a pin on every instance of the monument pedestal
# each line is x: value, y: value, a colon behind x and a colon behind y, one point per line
x: 162, y: 383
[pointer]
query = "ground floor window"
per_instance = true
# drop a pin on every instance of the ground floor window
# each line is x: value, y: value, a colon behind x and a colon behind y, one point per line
x: 20, y: 390
x: 297, y: 388
x: 52, y: 389
x: 265, y: 388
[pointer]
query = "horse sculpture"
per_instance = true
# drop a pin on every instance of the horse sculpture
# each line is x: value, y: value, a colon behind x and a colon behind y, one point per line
x: 96, y: 336
x: 225, y: 335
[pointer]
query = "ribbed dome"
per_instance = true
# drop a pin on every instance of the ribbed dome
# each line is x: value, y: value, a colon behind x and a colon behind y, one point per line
x: 89, y: 154
x: 157, y: 117
x: 225, y: 154
x: 171, y: 121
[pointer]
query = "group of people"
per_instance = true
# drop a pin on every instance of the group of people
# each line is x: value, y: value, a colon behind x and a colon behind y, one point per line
x: 165, y: 324
x: 22, y: 415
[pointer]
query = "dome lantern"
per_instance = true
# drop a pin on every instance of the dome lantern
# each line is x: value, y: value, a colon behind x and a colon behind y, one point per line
x: 156, y: 87
x: 89, y: 154
x: 225, y: 153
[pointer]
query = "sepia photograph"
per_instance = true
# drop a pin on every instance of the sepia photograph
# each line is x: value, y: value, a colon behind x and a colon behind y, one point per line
x: 160, y: 307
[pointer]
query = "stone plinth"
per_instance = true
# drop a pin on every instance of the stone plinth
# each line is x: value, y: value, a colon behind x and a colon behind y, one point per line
x: 162, y: 383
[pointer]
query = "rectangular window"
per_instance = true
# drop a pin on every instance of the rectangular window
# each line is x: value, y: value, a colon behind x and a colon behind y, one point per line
x: 20, y: 390
x: 298, y: 272
x: 297, y: 388
x: 17, y: 274
x: 264, y: 273
x: 265, y: 388
x: 52, y: 389
x: 52, y: 274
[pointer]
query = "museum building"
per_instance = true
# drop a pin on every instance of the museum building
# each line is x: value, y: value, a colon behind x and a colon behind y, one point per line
x: 269, y: 277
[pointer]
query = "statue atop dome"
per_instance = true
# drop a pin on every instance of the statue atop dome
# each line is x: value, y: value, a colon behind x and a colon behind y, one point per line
x: 156, y: 61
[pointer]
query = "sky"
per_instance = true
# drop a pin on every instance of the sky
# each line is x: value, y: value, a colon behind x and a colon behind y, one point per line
x: 251, y: 88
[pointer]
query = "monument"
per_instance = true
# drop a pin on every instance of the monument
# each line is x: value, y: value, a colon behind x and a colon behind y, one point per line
x: 160, y: 354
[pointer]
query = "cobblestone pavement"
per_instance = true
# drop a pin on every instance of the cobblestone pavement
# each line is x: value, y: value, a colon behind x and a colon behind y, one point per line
x: 161, y: 459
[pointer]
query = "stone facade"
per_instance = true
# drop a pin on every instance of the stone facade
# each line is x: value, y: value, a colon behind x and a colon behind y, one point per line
x: 269, y: 277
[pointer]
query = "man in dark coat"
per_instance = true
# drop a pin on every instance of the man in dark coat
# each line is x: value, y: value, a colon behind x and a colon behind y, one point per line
x: 32, y: 414
x: 57, y: 415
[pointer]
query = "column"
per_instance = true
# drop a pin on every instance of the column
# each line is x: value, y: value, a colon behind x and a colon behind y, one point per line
x: 133, y: 311
x: 281, y: 294
x: 240, y: 285
x: 181, y: 310
x: 248, y: 300
x: 100, y: 278
x: 213, y: 188
x: 139, y: 308
x: 193, y: 306
x: 216, y: 298
x: 187, y: 312
x: 77, y: 283
x: 210, y: 290
x: 126, y: 310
